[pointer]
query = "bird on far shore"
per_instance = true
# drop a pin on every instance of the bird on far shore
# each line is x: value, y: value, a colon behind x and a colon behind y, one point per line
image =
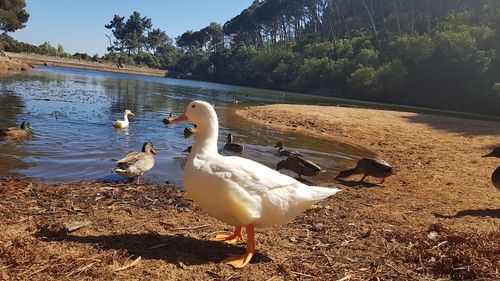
x: 373, y: 167
x: 135, y: 164
x: 284, y: 152
x: 190, y: 131
x: 495, y: 177
x: 299, y: 165
x: 16, y: 132
x: 231, y: 146
x: 168, y: 119
x: 239, y: 191
x: 120, y: 124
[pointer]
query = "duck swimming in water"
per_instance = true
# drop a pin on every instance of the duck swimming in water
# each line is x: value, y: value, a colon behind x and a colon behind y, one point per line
x: 135, y: 164
x: 299, y: 165
x: 189, y: 131
x: 168, y: 119
x: 231, y: 146
x: 120, y: 124
x: 495, y: 177
x: 284, y: 152
x: 373, y: 167
x: 239, y: 191
x: 16, y: 132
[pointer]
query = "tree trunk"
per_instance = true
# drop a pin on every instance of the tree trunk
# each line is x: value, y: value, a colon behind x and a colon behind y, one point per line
x: 398, y: 24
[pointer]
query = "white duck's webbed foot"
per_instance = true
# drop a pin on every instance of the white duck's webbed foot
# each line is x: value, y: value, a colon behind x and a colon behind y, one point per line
x: 239, y: 261
x: 233, y: 238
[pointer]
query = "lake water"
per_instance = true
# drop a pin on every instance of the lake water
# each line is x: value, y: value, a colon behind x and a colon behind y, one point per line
x: 72, y: 112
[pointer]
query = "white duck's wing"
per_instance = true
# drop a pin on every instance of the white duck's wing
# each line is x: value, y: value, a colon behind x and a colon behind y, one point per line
x: 266, y: 196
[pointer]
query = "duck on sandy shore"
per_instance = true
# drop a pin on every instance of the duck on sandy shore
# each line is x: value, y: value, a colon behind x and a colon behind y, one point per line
x: 239, y: 191
x: 373, y: 167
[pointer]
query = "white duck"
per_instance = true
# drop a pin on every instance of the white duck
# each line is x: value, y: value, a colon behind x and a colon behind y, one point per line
x: 123, y: 123
x: 239, y: 191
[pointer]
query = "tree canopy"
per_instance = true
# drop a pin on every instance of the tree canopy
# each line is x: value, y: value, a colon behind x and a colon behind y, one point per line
x: 13, y: 15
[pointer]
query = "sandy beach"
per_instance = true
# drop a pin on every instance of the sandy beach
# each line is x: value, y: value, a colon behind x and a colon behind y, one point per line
x: 9, y: 65
x: 37, y: 60
x: 438, y: 159
x: 438, y: 218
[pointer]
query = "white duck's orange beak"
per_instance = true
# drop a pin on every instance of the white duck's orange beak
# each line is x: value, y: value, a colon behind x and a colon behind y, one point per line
x: 180, y: 119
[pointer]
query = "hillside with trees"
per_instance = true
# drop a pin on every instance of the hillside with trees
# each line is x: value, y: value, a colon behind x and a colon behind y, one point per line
x: 441, y: 54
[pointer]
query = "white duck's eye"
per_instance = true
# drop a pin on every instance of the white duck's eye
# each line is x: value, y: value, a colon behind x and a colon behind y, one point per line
x: 193, y: 106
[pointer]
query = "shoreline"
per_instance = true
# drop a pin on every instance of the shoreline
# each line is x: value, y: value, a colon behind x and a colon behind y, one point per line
x: 438, y: 218
x: 437, y: 158
x: 38, y: 60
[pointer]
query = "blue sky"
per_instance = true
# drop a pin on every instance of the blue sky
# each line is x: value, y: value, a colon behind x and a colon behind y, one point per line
x: 79, y: 24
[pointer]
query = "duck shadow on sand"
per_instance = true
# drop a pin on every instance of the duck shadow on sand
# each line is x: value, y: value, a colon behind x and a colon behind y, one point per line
x: 492, y: 213
x: 170, y: 248
x: 356, y: 184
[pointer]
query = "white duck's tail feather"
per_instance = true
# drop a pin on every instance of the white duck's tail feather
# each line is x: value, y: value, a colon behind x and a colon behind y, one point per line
x: 317, y: 193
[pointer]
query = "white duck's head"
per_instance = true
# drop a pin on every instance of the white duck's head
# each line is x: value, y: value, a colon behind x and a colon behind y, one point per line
x: 203, y: 115
x: 200, y: 113
x: 128, y: 112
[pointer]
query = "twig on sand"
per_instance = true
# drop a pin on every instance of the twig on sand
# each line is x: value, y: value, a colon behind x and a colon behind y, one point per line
x: 77, y: 225
x: 347, y: 277
x: 157, y: 246
x: 132, y: 264
x: 302, y: 274
x: 81, y: 269
x: 192, y: 227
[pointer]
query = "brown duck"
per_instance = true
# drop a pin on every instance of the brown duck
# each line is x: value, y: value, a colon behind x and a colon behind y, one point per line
x: 189, y: 131
x: 284, y: 152
x: 16, y: 132
x: 372, y: 167
x: 135, y: 164
x: 169, y: 119
x: 495, y: 177
x: 231, y: 146
x: 299, y: 165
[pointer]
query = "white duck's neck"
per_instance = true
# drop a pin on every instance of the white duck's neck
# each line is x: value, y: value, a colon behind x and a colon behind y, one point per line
x: 205, y: 141
x: 125, y: 117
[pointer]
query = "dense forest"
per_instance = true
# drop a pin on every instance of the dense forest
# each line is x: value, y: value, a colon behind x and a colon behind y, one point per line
x: 441, y: 53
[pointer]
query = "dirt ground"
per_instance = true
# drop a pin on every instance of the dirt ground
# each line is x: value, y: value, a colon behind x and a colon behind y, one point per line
x: 34, y: 59
x: 8, y: 65
x: 438, y: 218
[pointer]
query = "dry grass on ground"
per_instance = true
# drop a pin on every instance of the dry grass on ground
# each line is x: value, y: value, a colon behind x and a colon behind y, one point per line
x: 95, y: 231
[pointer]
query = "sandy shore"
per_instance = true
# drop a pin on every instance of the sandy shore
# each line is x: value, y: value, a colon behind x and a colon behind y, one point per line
x: 438, y: 159
x: 8, y: 65
x: 438, y: 218
x: 34, y: 59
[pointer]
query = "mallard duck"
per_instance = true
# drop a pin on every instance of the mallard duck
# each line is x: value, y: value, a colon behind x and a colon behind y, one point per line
x: 16, y: 132
x: 189, y: 130
x: 239, y: 191
x: 495, y: 177
x: 135, y: 164
x: 123, y: 123
x: 168, y: 119
x: 231, y: 146
x: 373, y: 167
x: 300, y: 166
x: 284, y: 152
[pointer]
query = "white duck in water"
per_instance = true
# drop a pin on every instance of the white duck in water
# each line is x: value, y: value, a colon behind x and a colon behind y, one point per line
x: 239, y: 191
x: 120, y: 124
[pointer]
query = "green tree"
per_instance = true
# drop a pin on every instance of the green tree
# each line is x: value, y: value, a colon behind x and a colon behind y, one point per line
x: 13, y: 15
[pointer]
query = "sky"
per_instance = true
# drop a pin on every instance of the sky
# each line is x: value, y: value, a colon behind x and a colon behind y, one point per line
x: 78, y: 25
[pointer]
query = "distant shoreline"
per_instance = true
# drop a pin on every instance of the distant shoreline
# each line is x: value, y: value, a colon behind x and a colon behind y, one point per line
x: 38, y: 60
